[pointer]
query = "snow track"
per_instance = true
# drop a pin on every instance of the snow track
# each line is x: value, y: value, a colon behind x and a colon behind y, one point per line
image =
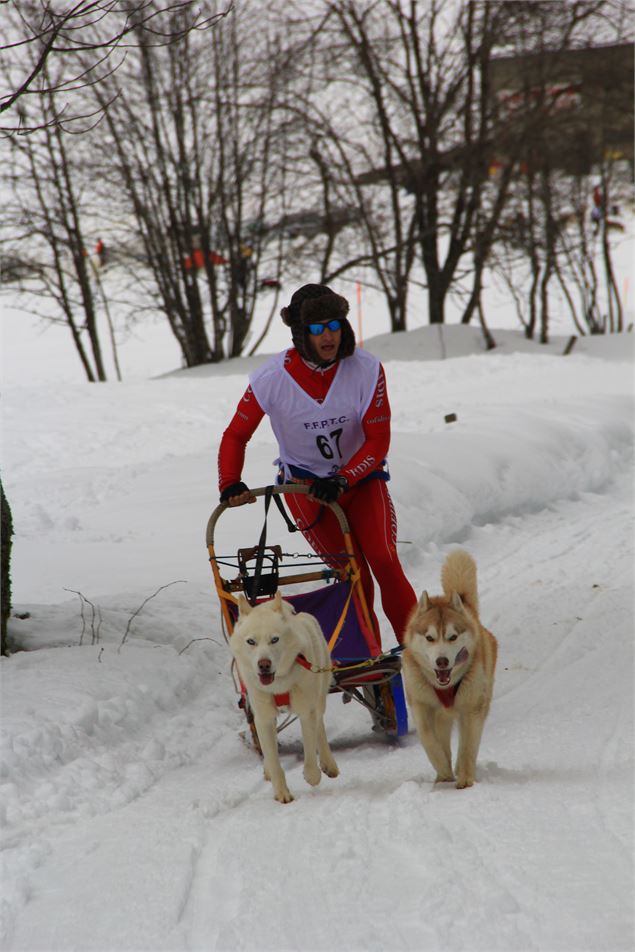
x: 534, y: 857
x: 135, y: 816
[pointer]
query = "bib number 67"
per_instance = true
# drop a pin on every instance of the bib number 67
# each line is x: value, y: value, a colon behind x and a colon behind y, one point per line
x: 329, y: 446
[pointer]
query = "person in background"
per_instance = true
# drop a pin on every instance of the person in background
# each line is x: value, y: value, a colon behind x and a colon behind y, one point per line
x: 328, y: 406
x: 100, y: 251
x: 597, y: 212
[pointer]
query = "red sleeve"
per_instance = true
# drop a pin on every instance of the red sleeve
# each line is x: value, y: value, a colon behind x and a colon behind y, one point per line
x: 231, y: 452
x: 376, y: 425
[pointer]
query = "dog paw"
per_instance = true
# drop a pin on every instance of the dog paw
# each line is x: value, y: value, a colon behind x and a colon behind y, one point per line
x: 312, y: 775
x: 330, y: 769
x: 444, y: 778
x: 463, y: 782
x: 283, y: 795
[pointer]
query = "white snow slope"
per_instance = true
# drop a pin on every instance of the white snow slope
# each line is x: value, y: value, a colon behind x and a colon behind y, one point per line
x: 135, y: 815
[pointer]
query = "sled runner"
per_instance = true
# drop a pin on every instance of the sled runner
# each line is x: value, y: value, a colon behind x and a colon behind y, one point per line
x: 361, y: 671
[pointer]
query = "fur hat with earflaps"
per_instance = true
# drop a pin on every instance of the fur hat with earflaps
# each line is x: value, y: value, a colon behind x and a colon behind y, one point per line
x: 313, y: 304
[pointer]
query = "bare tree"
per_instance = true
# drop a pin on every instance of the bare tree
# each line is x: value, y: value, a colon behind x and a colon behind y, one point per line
x: 191, y: 141
x: 45, y: 247
x: 338, y: 227
x: 573, y: 88
x: 50, y: 230
x: 6, y: 532
x: 561, y: 227
x: 423, y: 66
x: 88, y: 38
x: 584, y: 266
x: 432, y: 129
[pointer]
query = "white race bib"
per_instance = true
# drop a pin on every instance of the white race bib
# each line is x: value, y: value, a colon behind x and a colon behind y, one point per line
x: 318, y: 437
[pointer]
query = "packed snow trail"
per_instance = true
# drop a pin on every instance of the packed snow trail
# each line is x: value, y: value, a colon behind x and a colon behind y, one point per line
x: 134, y: 815
x: 535, y: 857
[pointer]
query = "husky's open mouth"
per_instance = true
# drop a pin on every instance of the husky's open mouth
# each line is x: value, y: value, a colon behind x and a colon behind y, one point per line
x: 266, y: 678
x: 443, y: 676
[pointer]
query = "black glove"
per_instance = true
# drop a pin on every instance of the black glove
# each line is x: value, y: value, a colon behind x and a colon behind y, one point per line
x: 329, y: 488
x: 234, y: 490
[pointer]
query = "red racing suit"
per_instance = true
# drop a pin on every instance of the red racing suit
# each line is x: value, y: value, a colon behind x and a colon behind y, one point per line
x: 367, y: 503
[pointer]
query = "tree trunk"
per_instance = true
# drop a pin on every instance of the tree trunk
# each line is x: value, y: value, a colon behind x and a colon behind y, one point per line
x: 397, y: 309
x: 490, y: 343
x: 5, y: 580
x: 544, y: 303
x: 615, y: 311
x: 436, y: 305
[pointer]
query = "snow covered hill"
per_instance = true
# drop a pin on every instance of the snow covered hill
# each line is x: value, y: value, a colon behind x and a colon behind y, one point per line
x: 135, y: 816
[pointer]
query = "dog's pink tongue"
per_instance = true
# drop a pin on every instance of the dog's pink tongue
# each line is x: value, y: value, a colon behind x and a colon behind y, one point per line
x: 266, y: 678
x: 443, y: 677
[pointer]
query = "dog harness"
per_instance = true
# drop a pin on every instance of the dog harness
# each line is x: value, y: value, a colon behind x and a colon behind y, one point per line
x: 283, y: 700
x: 447, y: 695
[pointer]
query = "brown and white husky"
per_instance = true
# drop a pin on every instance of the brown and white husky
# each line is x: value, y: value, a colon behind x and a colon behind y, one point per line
x: 448, y: 669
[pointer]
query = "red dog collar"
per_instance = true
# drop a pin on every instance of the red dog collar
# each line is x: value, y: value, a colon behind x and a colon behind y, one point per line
x: 283, y: 700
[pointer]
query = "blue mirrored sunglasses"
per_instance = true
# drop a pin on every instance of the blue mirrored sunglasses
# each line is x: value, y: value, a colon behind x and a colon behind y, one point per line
x: 317, y: 329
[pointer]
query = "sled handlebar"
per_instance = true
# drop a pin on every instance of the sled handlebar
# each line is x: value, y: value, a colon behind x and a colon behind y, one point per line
x: 290, y: 489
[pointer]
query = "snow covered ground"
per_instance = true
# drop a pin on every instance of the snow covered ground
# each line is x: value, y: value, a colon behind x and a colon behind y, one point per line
x: 134, y: 814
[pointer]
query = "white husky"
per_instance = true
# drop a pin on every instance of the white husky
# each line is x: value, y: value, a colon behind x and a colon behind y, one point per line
x: 282, y: 657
